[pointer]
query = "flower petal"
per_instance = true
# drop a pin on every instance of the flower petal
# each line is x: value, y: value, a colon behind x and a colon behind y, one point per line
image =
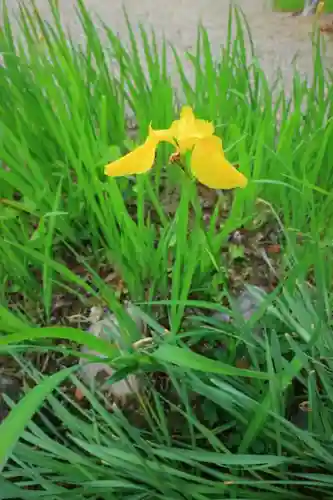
x: 185, y: 132
x: 188, y: 129
x: 138, y: 161
x: 211, y: 168
x: 166, y: 135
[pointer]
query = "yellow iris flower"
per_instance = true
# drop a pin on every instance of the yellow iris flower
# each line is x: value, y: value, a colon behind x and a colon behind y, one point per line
x: 208, y: 163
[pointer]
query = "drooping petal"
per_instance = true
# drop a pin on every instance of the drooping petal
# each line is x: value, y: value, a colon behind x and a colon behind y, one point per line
x: 138, y: 161
x: 211, y: 168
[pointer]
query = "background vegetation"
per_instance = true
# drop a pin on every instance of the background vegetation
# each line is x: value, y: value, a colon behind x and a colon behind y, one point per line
x: 293, y: 5
x: 236, y: 409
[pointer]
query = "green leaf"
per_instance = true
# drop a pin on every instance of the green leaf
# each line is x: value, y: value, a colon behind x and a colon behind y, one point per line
x: 14, y: 424
x: 185, y: 358
x: 222, y: 459
x: 72, y: 334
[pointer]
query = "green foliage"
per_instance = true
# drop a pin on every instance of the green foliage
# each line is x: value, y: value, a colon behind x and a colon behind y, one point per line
x: 215, y: 432
x: 220, y: 429
x: 294, y: 5
x: 77, y: 96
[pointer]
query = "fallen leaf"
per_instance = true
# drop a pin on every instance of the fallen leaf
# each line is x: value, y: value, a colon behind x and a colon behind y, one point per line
x: 243, y: 363
x: 78, y: 395
x: 273, y: 249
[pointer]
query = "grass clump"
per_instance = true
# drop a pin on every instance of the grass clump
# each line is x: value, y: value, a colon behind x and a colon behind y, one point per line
x: 238, y: 408
x: 294, y: 5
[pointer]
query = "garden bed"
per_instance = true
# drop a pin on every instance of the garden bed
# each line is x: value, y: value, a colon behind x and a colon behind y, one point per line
x: 231, y: 289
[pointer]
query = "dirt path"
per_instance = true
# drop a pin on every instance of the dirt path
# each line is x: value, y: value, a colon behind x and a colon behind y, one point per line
x: 278, y: 37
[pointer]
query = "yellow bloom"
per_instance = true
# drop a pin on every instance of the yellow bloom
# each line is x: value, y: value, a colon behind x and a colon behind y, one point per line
x: 208, y: 163
x: 185, y: 132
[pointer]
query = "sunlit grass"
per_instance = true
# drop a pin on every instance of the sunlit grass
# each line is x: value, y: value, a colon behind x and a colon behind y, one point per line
x: 293, y: 5
x: 78, y: 103
x: 63, y: 116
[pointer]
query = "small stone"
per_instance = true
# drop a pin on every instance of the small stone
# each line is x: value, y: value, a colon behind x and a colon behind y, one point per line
x: 237, y: 237
x: 247, y: 303
x: 105, y: 325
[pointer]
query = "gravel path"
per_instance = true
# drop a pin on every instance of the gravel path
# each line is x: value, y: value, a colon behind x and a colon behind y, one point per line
x: 278, y: 37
